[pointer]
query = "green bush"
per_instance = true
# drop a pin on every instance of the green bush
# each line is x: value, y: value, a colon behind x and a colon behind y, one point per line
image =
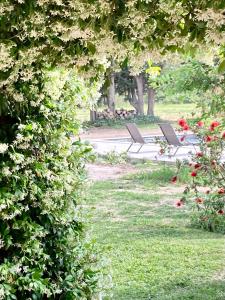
x: 44, y: 251
x: 188, y: 82
x: 205, y: 189
x: 121, y: 122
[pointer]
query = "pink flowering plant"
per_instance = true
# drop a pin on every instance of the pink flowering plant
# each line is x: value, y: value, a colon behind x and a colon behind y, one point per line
x: 205, y: 190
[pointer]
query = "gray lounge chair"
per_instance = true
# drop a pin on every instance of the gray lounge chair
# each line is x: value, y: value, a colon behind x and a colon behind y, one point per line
x: 135, y: 136
x: 172, y: 138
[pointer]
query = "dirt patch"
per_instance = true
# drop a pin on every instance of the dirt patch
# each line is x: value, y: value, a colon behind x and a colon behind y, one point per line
x: 98, y: 172
x: 103, y: 133
x: 170, y: 190
x: 220, y: 276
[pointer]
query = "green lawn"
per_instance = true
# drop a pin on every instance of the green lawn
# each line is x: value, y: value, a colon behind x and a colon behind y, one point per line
x: 154, y: 252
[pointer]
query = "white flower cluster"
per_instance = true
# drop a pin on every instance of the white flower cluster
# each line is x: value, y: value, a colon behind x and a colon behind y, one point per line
x: 1, y: 243
x: 6, y: 171
x: 18, y: 158
x: 2, y: 293
x: 3, y: 148
x: 6, y: 59
x: 5, y: 7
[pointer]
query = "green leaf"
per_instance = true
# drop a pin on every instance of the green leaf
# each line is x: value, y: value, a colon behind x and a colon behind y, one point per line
x: 36, y: 275
x: 221, y: 67
x: 29, y: 127
x: 91, y: 48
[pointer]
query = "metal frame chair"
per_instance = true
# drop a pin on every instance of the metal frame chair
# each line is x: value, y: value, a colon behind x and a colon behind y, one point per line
x: 171, y: 137
x: 135, y: 136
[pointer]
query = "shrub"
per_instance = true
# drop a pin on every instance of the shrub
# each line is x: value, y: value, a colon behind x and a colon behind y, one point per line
x: 206, y: 191
x: 44, y: 251
x: 120, y: 122
x: 113, y: 158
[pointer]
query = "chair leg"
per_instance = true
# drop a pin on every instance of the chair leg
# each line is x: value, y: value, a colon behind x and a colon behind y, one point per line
x: 140, y: 148
x: 135, y: 151
x: 194, y: 148
x: 130, y: 147
x: 176, y: 151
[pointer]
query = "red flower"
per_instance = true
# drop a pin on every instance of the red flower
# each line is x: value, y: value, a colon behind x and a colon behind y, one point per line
x: 197, y: 166
x: 182, y: 138
x: 221, y: 191
x: 208, y: 138
x: 220, y: 211
x: 186, y: 127
x: 200, y: 124
x: 199, y: 154
x: 214, y: 124
x: 193, y: 174
x: 182, y: 122
x: 179, y: 203
x: 213, y: 163
x: 199, y: 200
x: 174, y: 179
x: 223, y: 135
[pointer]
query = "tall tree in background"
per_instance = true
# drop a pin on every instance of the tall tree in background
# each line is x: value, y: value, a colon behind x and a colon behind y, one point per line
x: 140, y: 93
x: 131, y: 87
x: 111, y: 92
x: 189, y: 80
x: 151, y: 101
x: 152, y: 71
x: 134, y: 87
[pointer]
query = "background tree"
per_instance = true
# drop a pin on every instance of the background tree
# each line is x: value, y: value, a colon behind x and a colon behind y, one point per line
x: 131, y: 88
x: 134, y: 88
x: 188, y: 81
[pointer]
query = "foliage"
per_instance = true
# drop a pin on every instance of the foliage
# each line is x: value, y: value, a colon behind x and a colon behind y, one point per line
x: 43, y: 246
x: 43, y: 250
x: 113, y: 158
x: 190, y: 81
x: 82, y: 93
x: 140, y: 120
x: 206, y: 190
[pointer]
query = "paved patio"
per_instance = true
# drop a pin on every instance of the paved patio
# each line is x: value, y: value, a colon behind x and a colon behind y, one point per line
x: 149, y: 151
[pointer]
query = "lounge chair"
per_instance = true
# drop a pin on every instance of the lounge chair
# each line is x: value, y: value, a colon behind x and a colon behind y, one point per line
x: 172, y: 138
x: 135, y: 136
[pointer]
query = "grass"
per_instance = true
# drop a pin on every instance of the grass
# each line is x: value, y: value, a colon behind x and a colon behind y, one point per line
x: 154, y: 252
x: 160, y: 176
x: 163, y: 111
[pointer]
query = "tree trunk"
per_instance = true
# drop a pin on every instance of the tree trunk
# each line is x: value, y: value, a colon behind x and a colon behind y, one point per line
x: 151, y: 101
x: 132, y: 97
x: 111, y: 93
x: 140, y: 94
x: 92, y: 115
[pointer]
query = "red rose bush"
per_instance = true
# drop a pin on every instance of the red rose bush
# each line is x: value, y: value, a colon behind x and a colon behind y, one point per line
x: 205, y: 190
